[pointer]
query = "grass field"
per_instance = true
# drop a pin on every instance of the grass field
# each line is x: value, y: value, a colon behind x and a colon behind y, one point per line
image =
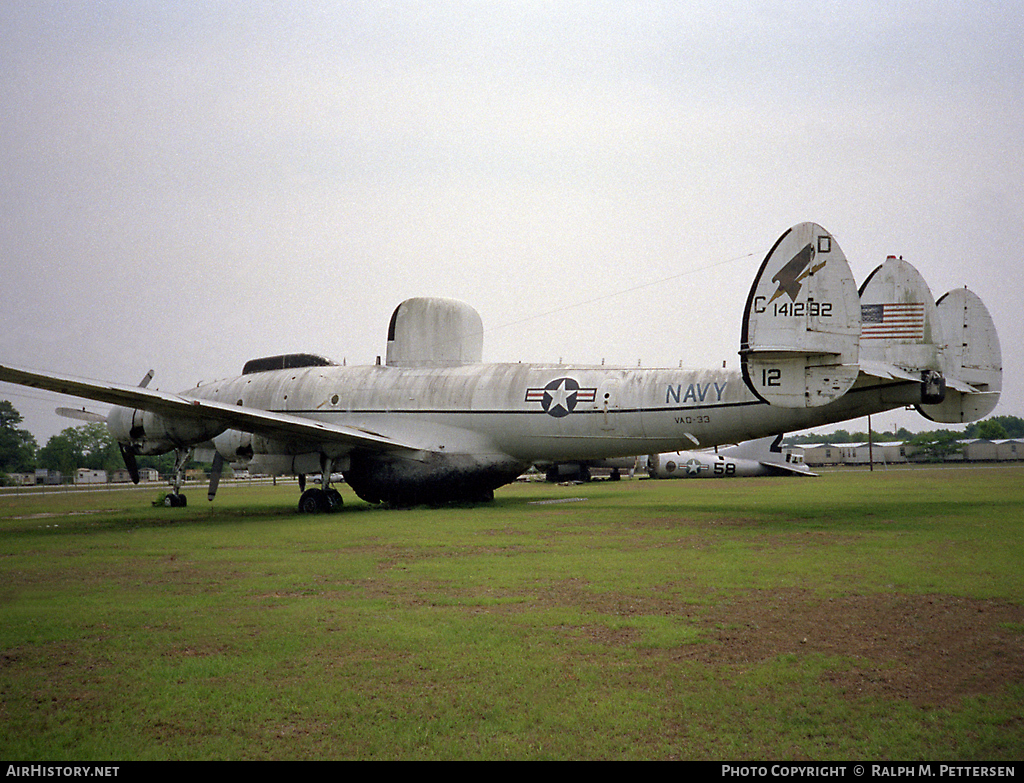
x: 860, y: 615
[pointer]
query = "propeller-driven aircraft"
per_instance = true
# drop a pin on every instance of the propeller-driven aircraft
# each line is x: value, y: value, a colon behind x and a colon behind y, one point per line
x: 761, y: 457
x: 433, y: 423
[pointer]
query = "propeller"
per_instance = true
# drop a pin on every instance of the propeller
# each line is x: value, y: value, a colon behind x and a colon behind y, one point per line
x: 126, y: 453
x: 81, y: 414
x: 129, y: 462
x: 215, y: 471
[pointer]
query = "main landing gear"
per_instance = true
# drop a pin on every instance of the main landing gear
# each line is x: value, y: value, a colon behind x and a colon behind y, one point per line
x: 317, y: 501
x: 176, y: 499
x: 324, y: 499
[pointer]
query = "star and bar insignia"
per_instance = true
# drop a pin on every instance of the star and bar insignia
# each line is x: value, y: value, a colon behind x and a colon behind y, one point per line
x: 561, y: 396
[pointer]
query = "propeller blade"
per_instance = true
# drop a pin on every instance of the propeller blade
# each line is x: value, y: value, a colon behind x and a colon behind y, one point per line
x: 130, y: 463
x: 216, y: 470
x: 81, y: 414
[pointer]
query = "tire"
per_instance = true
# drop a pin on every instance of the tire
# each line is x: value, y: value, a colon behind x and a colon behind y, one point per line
x: 313, y: 501
x: 334, y: 501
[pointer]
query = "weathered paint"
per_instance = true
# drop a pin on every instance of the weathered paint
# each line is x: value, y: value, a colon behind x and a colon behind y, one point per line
x: 501, y: 410
x: 435, y: 423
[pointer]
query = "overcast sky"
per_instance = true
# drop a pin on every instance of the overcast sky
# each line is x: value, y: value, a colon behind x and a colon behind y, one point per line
x: 187, y: 185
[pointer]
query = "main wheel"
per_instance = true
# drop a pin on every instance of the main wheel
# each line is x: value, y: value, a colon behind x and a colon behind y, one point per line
x: 333, y: 498
x: 313, y: 501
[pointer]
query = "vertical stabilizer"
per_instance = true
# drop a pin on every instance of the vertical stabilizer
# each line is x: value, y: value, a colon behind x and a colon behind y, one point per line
x: 899, y: 319
x: 801, y: 326
x: 973, y: 360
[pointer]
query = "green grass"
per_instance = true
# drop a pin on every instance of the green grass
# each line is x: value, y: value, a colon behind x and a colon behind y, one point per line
x: 734, y: 619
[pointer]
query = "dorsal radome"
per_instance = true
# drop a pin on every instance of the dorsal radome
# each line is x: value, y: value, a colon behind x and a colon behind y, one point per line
x: 433, y: 332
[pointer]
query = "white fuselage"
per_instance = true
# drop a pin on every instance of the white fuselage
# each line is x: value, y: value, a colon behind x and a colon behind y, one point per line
x: 533, y: 412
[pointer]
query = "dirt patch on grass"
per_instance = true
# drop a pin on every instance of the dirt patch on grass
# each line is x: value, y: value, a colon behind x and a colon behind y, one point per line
x: 929, y: 650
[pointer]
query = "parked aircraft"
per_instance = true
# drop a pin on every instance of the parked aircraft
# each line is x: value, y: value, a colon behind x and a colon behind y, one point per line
x: 762, y: 457
x: 434, y: 423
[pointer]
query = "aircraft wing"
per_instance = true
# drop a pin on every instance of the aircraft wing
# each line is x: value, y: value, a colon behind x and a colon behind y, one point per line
x: 276, y: 426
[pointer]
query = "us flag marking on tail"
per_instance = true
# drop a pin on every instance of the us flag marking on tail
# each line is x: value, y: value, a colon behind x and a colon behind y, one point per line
x: 892, y: 321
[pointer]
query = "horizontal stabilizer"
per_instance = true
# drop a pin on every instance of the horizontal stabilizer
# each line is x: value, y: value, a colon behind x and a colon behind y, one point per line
x: 887, y: 371
x: 892, y: 372
x: 801, y: 325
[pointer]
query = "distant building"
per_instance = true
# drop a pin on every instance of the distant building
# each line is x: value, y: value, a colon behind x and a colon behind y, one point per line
x: 978, y: 450
x: 90, y: 476
x: 824, y: 454
x: 49, y: 477
x: 1009, y: 449
x: 1002, y: 450
x: 885, y: 453
x: 122, y: 476
x: 897, y: 453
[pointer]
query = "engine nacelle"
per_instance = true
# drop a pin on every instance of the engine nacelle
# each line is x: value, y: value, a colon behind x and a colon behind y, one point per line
x: 268, y: 457
x: 234, y: 446
x: 149, y: 433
